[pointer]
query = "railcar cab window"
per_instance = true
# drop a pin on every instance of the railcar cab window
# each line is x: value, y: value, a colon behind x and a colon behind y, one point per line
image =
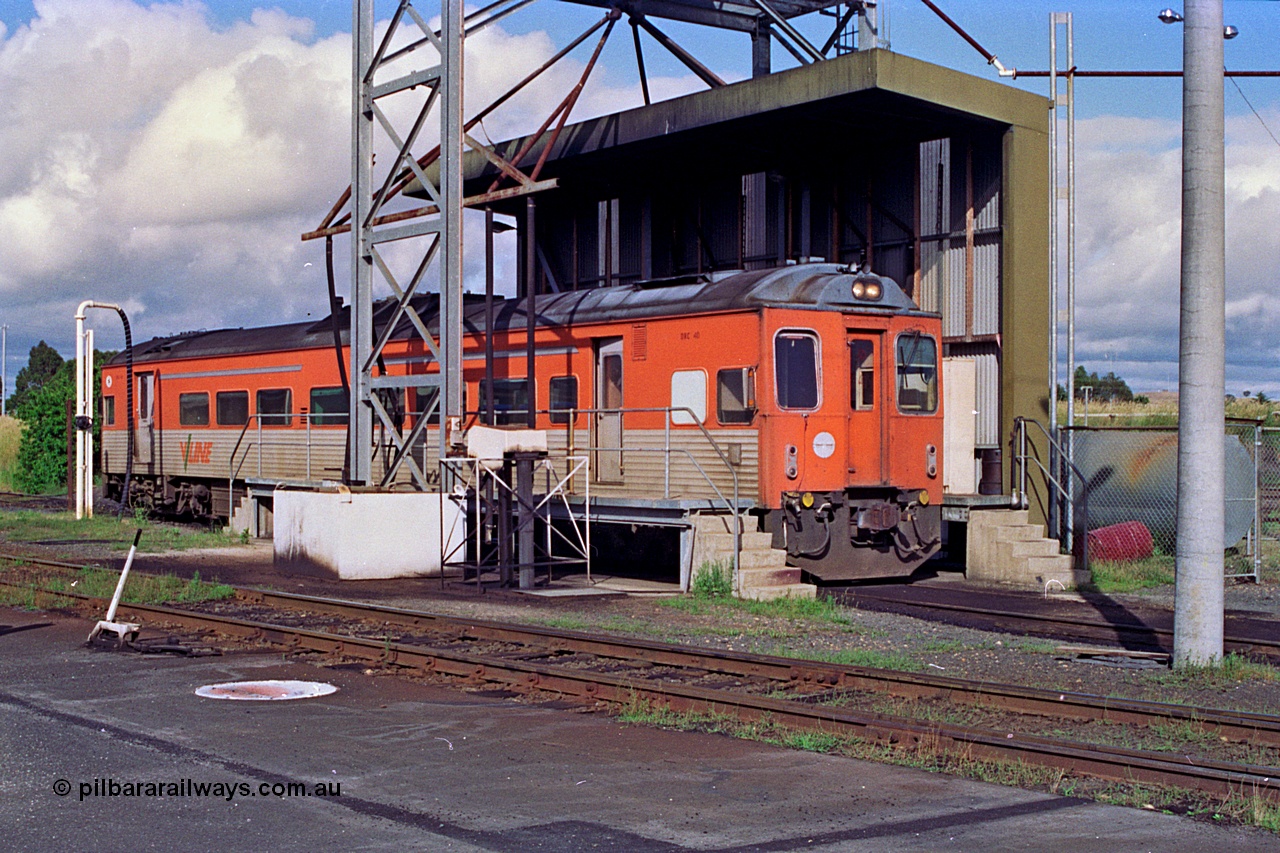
x: 233, y: 408
x: 736, y: 395
x: 329, y: 406
x: 795, y: 365
x: 564, y: 398
x: 275, y: 405
x: 917, y: 364
x: 862, y: 375
x: 193, y: 409
x: 109, y: 411
x: 688, y: 395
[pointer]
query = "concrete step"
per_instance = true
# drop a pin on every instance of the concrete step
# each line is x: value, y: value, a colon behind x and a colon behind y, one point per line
x: 760, y: 558
x: 1019, y: 551
x: 724, y: 541
x: 770, y: 593
x: 1060, y: 568
x: 1018, y: 532
x: 998, y: 517
x: 757, y: 578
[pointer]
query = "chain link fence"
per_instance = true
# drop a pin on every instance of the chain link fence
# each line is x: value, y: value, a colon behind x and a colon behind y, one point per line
x: 1131, y: 475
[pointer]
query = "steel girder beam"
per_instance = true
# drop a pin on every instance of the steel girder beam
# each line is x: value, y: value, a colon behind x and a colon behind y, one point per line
x: 437, y: 229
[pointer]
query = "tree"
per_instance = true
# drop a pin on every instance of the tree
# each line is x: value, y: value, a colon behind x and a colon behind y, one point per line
x: 42, y: 453
x: 43, y: 364
x: 1106, y: 389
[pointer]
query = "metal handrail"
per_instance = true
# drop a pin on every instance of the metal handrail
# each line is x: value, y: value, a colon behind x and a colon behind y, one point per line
x: 233, y: 469
x: 1063, y: 493
x: 667, y: 450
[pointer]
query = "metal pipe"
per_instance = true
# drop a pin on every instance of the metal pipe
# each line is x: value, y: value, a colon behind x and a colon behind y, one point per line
x: 530, y: 310
x: 488, y: 316
x: 124, y: 576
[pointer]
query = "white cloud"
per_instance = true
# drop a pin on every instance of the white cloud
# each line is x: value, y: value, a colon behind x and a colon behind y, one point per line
x: 1129, y: 175
x: 157, y: 160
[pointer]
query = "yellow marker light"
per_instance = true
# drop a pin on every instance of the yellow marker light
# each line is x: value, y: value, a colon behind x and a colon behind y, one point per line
x: 924, y: 497
x: 806, y: 500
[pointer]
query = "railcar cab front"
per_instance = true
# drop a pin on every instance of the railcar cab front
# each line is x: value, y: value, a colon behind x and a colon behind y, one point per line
x: 851, y: 431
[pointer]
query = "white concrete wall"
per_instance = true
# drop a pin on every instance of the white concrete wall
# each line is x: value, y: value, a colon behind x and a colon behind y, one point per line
x: 355, y: 536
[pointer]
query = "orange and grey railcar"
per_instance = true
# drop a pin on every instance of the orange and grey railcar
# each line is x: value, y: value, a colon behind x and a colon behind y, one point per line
x: 816, y: 387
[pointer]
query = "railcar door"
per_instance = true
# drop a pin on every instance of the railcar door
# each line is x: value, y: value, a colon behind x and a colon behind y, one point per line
x: 144, y: 441
x: 608, y: 420
x: 868, y: 447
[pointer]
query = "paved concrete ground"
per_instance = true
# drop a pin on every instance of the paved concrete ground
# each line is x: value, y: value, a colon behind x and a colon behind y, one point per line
x: 430, y: 768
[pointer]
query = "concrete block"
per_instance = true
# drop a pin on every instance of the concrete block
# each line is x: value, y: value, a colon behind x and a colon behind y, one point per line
x: 358, y: 536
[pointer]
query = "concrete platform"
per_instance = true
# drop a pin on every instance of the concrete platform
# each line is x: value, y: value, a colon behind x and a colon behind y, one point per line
x: 432, y: 768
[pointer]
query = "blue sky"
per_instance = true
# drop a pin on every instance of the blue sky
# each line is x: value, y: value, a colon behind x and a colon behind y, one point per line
x: 167, y: 155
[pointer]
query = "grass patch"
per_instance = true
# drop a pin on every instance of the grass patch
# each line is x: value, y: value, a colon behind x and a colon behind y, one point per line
x: 1131, y: 575
x: 143, y: 589
x: 10, y: 438
x: 30, y: 526
x: 820, y: 610
x: 871, y: 659
x: 1234, y: 669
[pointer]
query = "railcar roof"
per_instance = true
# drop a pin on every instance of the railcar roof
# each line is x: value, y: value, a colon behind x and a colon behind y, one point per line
x: 816, y: 287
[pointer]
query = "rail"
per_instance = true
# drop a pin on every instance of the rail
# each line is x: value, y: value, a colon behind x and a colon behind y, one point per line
x: 1063, y: 494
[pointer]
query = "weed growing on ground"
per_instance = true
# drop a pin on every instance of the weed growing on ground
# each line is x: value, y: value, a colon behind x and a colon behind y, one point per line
x: 713, y: 580
x: 870, y: 658
x: 1235, y: 668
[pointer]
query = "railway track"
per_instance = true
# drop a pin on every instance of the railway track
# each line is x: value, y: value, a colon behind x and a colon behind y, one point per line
x: 802, y: 695
x: 1257, y: 637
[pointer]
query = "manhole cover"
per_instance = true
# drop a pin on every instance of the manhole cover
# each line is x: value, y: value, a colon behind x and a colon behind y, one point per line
x: 261, y: 691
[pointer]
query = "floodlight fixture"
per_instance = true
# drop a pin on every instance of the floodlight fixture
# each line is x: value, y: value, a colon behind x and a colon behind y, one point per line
x: 1168, y: 16
x: 1230, y: 32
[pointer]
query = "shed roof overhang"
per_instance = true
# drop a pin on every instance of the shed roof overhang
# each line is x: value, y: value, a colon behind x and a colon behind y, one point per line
x: 861, y: 101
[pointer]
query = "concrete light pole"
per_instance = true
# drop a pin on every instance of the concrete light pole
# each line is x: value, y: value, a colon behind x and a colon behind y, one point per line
x: 1197, y: 631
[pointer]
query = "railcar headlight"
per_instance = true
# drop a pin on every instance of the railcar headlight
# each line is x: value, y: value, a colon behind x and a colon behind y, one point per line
x: 867, y: 287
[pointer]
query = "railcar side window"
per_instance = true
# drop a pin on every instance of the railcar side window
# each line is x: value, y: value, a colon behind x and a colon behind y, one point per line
x: 193, y: 409
x: 109, y: 411
x: 862, y: 375
x: 564, y: 396
x: 275, y: 405
x: 736, y: 395
x: 688, y: 394
x: 795, y: 360
x: 233, y: 408
x: 329, y: 406
x: 917, y: 361
x: 510, y: 402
